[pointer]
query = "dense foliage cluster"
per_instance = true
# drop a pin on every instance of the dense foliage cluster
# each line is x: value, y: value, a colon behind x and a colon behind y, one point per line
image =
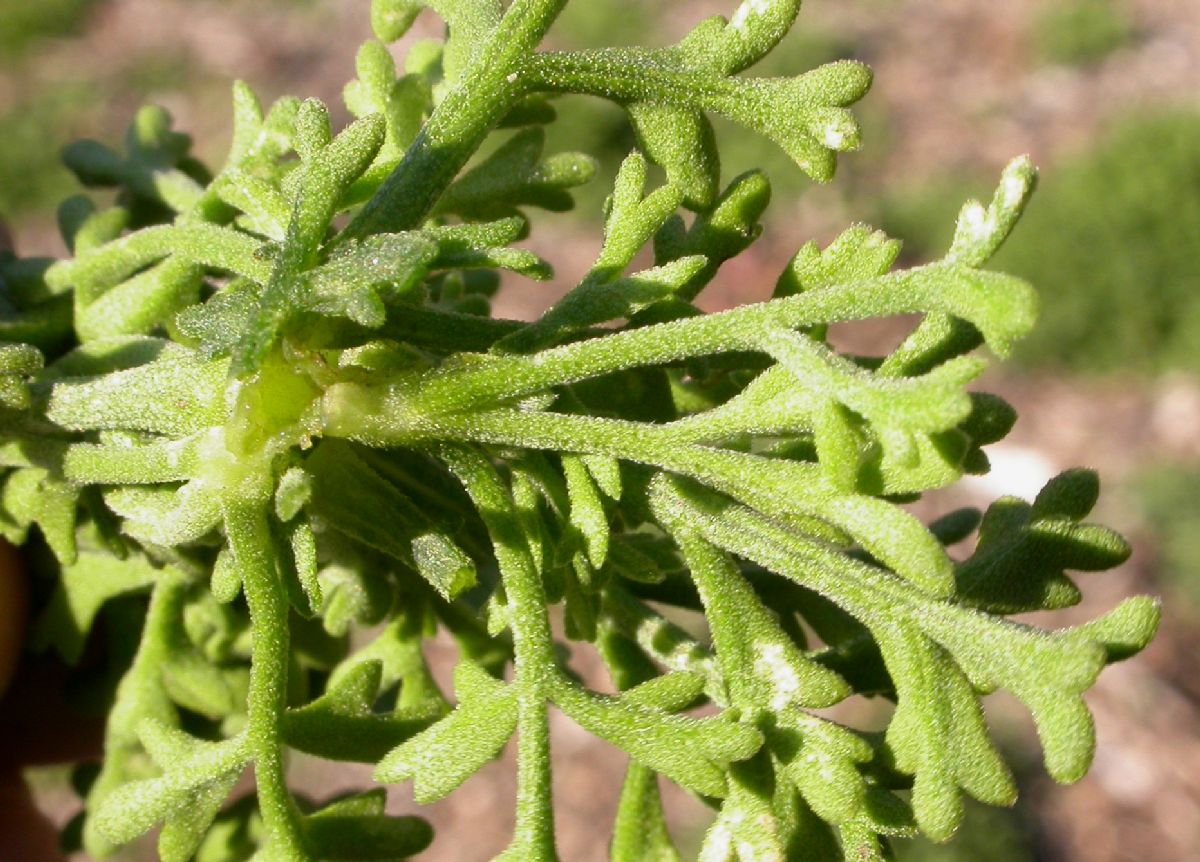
x: 263, y: 418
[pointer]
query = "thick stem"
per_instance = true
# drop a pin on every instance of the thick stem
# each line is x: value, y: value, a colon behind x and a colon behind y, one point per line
x: 488, y: 89
x: 630, y: 75
x: 535, y: 819
x: 250, y: 539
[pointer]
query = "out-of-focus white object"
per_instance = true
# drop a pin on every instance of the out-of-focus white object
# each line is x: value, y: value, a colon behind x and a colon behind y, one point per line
x: 1017, y: 471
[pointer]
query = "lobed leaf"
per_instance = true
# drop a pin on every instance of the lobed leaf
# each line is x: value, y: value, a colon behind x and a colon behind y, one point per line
x: 452, y: 750
x: 198, y: 770
x: 691, y: 752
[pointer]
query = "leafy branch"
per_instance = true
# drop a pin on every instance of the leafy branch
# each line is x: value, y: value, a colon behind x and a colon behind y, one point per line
x: 262, y: 411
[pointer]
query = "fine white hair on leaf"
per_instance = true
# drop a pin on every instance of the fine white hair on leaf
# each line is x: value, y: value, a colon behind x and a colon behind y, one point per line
x: 785, y: 684
x: 747, y: 10
x: 1013, y: 189
x: 833, y: 136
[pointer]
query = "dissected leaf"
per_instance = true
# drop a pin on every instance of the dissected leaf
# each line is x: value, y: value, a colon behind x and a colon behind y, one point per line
x: 270, y: 453
x: 451, y: 751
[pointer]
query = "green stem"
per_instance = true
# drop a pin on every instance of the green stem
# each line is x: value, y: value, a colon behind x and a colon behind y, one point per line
x: 250, y: 540
x: 535, y: 667
x: 631, y: 75
x: 488, y: 89
x: 534, y: 831
x: 768, y: 482
x: 139, y: 696
x: 938, y: 287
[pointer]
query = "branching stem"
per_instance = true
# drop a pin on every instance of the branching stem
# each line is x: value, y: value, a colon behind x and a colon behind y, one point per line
x: 488, y: 89
x: 535, y: 667
x: 250, y: 540
x: 911, y: 291
x: 630, y: 75
x: 657, y: 445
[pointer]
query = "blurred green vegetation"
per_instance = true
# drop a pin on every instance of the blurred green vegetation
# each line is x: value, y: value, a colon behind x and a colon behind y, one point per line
x: 1079, y: 32
x: 32, y: 134
x: 23, y: 22
x: 617, y: 22
x: 986, y: 835
x: 1168, y: 498
x: 1112, y: 241
x: 161, y: 72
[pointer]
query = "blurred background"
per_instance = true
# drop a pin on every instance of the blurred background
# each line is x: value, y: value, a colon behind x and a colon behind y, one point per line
x: 1105, y: 94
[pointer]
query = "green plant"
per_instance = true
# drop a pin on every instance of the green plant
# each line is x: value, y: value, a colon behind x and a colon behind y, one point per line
x: 32, y: 178
x: 1166, y: 498
x: 285, y: 427
x: 987, y: 835
x: 1113, y: 227
x: 23, y: 23
x: 602, y: 128
x: 1079, y: 32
